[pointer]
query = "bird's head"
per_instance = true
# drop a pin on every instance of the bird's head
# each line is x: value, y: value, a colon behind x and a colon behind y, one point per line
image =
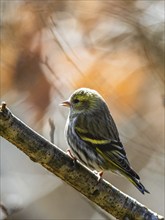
x: 84, y: 100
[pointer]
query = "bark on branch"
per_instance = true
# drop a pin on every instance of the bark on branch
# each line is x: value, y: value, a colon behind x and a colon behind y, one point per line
x: 79, y: 177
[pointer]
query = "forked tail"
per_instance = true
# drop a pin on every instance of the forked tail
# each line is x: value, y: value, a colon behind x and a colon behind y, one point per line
x: 138, y: 185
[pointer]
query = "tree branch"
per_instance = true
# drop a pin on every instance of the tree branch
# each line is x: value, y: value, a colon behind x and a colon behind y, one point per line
x: 79, y: 177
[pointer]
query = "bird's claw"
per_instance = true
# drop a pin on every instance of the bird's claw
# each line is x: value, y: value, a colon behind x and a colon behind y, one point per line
x: 98, y: 174
x: 68, y: 151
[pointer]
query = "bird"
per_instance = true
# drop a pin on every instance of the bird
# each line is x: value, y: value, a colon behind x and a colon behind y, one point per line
x: 93, y: 137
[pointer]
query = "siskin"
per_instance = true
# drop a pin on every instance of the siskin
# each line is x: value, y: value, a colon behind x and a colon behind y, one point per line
x: 93, y: 136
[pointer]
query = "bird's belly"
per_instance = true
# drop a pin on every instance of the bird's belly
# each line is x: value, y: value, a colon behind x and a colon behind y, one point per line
x: 84, y: 153
x: 88, y: 161
x: 87, y: 156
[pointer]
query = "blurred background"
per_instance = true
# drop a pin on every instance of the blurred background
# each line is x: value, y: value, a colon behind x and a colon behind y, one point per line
x: 51, y: 48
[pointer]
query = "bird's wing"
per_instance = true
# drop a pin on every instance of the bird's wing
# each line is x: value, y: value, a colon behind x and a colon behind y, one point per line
x: 94, y: 138
x: 111, y: 150
x: 116, y: 155
x: 97, y: 133
x: 99, y: 125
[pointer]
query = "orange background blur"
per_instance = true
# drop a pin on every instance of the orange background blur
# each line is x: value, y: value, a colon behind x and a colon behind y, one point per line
x: 51, y: 48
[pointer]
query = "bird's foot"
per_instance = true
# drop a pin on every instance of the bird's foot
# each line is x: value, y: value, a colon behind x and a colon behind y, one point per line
x: 68, y: 151
x: 98, y: 174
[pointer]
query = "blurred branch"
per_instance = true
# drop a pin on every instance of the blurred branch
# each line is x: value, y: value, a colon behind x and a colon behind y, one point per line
x: 3, y: 212
x: 69, y: 54
x: 81, y: 178
x: 46, y: 63
x: 52, y: 130
x: 64, y: 46
x: 52, y: 77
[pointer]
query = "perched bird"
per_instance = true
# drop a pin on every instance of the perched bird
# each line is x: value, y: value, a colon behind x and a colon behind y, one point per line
x: 93, y: 136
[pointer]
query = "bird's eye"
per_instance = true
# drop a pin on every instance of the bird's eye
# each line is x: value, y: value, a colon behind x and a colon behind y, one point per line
x: 75, y: 101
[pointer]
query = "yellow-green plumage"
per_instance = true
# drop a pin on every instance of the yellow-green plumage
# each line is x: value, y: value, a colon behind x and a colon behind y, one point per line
x: 93, y: 136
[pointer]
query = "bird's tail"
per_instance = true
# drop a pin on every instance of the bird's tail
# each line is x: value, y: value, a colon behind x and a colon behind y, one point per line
x: 138, y: 184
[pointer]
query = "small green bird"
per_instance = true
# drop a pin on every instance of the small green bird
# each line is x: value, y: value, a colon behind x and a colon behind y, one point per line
x: 93, y: 136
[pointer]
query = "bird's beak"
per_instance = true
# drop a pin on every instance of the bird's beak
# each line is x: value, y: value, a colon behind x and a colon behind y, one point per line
x: 66, y: 103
